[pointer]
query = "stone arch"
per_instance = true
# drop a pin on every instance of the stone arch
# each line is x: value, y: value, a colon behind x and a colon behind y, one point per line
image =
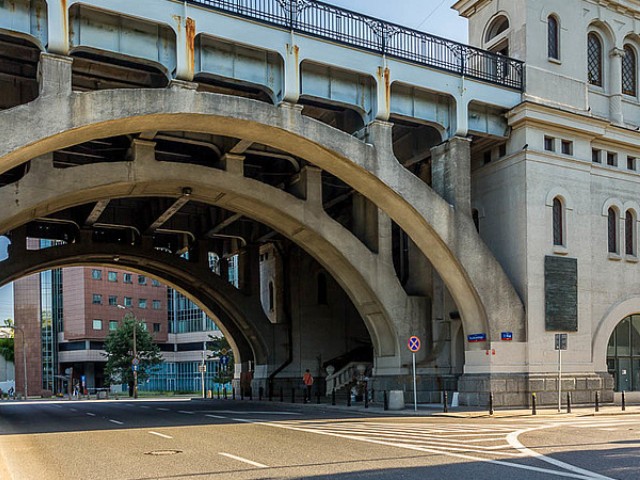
x: 477, y: 282
x: 606, y: 326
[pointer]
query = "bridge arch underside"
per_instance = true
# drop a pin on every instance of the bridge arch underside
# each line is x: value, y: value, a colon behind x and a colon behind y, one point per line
x: 484, y: 297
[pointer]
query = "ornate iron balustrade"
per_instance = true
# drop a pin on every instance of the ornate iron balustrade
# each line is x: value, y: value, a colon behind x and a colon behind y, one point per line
x: 350, y: 28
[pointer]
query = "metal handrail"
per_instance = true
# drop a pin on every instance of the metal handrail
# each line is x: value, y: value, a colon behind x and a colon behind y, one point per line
x: 340, y: 25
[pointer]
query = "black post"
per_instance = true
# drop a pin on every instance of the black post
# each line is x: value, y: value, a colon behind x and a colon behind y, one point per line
x: 333, y: 396
x: 293, y: 395
x: 281, y: 394
x: 366, y: 397
x: 270, y: 392
x: 624, y: 404
x: 445, y: 402
x: 568, y: 402
x: 241, y: 393
x: 224, y: 392
x: 349, y: 396
x: 385, y: 400
x: 373, y: 396
x: 250, y: 393
x: 218, y: 393
x: 597, y: 401
x: 491, y: 403
x: 260, y: 393
x: 534, y: 410
x: 318, y: 396
x: 233, y: 393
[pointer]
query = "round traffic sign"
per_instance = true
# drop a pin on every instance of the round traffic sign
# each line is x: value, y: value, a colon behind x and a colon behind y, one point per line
x: 135, y: 361
x: 414, y: 343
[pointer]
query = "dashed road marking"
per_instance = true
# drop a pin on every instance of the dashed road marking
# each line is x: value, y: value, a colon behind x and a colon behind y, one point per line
x: 116, y: 422
x: 160, y: 434
x: 91, y: 414
x: 187, y: 412
x: 214, y: 416
x: 245, y: 460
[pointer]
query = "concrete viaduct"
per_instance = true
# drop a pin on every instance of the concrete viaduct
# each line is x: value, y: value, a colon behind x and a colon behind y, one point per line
x: 151, y: 134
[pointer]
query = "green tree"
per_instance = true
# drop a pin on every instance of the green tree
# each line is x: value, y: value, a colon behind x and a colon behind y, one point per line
x: 119, y: 351
x: 7, y: 344
x: 219, y: 346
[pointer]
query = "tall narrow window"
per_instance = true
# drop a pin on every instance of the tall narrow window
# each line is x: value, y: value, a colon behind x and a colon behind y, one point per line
x: 629, y: 71
x: 629, y: 233
x: 594, y: 60
x: 558, y: 237
x: 553, y: 50
x: 612, y: 225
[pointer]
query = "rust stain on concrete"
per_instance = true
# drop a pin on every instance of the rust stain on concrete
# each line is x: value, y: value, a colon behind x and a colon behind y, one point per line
x: 190, y: 30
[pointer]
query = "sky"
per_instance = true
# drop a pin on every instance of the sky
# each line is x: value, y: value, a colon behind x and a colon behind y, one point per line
x: 431, y: 16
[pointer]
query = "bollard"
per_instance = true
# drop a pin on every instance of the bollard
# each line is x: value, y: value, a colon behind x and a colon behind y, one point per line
x: 260, y: 393
x: 241, y: 393
x: 534, y: 410
x: 250, y: 393
x: 281, y: 394
x: 218, y: 393
x: 224, y: 393
x: 373, y: 396
x: 445, y: 402
x: 597, y: 402
x: 568, y: 402
x: 333, y: 396
x: 270, y: 392
x: 233, y: 393
x: 293, y: 395
x: 624, y: 404
x: 349, y: 398
x: 491, y: 403
x: 318, y: 397
x: 366, y: 398
x: 385, y: 400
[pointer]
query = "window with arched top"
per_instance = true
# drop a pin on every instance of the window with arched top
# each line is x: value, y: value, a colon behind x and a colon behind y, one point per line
x: 558, y: 222
x: 629, y: 233
x: 553, y: 38
x: 612, y: 230
x: 629, y: 75
x: 594, y: 59
x: 498, y: 25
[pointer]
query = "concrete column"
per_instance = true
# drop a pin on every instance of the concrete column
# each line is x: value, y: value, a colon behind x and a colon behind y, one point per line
x: 291, y: 73
x: 615, y: 86
x: 309, y: 186
x: 365, y: 221
x: 249, y: 270
x: 54, y: 75
x: 58, y: 27
x: 451, y: 172
x: 185, y: 29
x: 233, y: 164
x: 383, y: 82
x: 385, y: 243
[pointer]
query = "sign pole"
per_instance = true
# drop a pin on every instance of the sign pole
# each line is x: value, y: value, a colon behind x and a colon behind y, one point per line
x: 202, y: 374
x: 415, y: 393
x: 559, y: 380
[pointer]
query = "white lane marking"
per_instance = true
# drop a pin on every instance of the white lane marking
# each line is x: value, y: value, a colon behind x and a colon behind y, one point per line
x: 185, y: 412
x: 73, y: 409
x: 239, y: 412
x: 145, y: 406
x: 512, y: 438
x: 91, y: 414
x: 128, y: 404
x: 116, y: 422
x: 160, y: 434
x: 588, y: 476
x: 240, y: 459
x: 215, y: 416
x: 162, y: 409
x: 57, y: 406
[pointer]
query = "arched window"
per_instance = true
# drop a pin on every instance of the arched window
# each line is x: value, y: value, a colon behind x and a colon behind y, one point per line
x: 271, y: 296
x: 553, y: 38
x: 498, y: 26
x: 629, y: 233
x: 629, y: 77
x: 322, y: 289
x: 594, y: 59
x: 612, y: 230
x: 558, y: 222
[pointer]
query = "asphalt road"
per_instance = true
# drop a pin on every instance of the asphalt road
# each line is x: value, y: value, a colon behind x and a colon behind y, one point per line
x: 136, y: 440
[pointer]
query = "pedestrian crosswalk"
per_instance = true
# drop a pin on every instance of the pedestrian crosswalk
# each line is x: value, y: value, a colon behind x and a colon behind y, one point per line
x: 606, y: 423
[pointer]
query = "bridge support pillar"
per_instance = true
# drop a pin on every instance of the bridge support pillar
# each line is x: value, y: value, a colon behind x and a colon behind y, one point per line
x: 54, y: 74
x: 451, y: 172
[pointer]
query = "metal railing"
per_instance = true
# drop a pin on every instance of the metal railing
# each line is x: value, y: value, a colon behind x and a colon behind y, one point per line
x: 319, y: 19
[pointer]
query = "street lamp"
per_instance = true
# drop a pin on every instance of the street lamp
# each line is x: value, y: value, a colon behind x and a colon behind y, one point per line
x: 24, y: 356
x: 134, y: 362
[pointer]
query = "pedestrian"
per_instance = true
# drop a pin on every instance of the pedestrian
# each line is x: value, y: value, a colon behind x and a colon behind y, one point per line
x: 11, y: 390
x: 307, y: 379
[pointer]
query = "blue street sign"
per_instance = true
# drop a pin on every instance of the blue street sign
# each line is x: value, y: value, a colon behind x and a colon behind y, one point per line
x: 134, y: 368
x: 477, y: 337
x: 224, y: 360
x: 507, y: 336
x: 414, y: 344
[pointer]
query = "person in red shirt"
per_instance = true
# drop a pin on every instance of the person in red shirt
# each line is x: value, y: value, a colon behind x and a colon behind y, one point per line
x: 307, y: 379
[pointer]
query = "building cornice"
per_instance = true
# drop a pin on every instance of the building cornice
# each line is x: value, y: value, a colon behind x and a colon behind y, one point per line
x: 466, y: 8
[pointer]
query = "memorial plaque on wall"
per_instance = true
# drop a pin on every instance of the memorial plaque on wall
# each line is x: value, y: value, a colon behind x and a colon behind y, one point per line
x: 561, y: 294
